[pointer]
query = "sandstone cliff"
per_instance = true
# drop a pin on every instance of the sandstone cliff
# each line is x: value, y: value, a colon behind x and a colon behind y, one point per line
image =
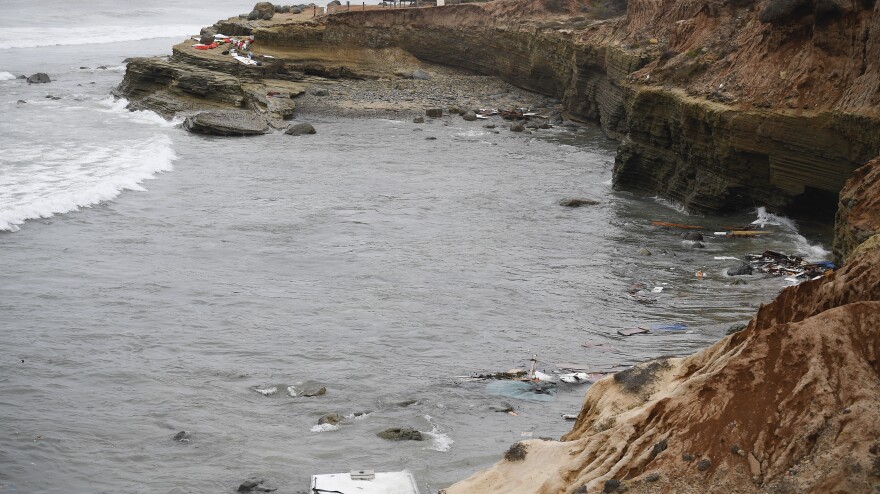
x: 789, y: 404
x: 719, y: 105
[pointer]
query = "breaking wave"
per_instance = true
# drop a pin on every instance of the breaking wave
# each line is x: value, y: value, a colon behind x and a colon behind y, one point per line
x: 42, y: 180
x: 119, y: 107
x: 31, y: 37
x: 6, y: 76
x: 440, y: 441
x: 802, y: 245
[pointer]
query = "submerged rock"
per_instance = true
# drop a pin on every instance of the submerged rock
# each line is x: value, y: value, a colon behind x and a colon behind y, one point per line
x: 226, y: 123
x: 574, y: 202
x: 401, y: 434
x: 743, y: 269
x: 182, y: 437
x: 315, y: 392
x: 39, y: 78
x: 255, y: 485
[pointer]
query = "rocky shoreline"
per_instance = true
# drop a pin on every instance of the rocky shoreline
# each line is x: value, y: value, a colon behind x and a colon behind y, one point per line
x: 718, y: 106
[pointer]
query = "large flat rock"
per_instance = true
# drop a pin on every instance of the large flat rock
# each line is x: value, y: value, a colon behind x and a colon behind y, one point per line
x: 227, y: 123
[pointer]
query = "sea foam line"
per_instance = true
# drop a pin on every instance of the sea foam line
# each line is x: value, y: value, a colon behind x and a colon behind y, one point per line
x: 39, y: 181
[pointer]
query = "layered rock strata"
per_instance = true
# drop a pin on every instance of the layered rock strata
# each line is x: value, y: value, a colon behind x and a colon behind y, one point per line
x: 789, y: 404
x: 719, y: 105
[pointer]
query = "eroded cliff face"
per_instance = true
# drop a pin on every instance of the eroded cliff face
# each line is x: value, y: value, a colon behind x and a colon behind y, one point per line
x: 719, y: 105
x: 790, y: 404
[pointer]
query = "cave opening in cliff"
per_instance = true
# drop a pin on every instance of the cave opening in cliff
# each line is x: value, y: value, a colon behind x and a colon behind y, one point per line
x: 813, y: 204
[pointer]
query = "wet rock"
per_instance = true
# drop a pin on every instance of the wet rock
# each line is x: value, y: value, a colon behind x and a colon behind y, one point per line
x: 84, y: 68
x: 39, y: 78
x: 21, y: 102
x: 255, y: 485
x: 698, y: 245
x: 517, y: 127
x: 611, y: 485
x: 489, y: 126
x: 52, y: 97
x: 226, y: 123
x: 419, y: 120
x: 430, y: 138
x: 315, y: 392
x: 743, y: 269
x: 22, y: 77
x: 408, y: 403
x: 469, y: 116
x: 517, y: 452
x: 401, y: 434
x: 652, y: 477
x: 300, y: 129
x: 696, y: 236
x: 503, y: 407
x: 704, y: 464
x: 182, y: 437
x: 573, y: 202
x: 644, y: 252
x: 262, y: 11
x: 434, y: 112
x: 330, y: 418
x: 102, y: 67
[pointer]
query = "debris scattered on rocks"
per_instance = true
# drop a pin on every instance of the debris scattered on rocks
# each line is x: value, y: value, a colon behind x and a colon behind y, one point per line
x: 795, y: 268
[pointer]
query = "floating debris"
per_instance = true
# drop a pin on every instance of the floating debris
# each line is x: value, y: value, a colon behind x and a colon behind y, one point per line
x: 794, y: 268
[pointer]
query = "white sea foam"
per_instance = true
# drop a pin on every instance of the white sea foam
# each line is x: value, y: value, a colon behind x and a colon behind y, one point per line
x: 671, y: 204
x: 767, y: 218
x: 6, y: 76
x: 440, y: 441
x: 270, y: 391
x: 118, y: 106
x: 41, y: 180
x: 30, y: 37
x: 324, y: 428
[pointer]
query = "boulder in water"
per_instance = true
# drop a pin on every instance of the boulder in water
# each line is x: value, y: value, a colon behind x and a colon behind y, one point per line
x: 743, y: 269
x: 401, y: 434
x: 182, y: 437
x: 692, y: 236
x: 517, y: 127
x: 300, y: 129
x: 469, y: 116
x: 39, y: 78
x: 226, y: 123
x: 330, y: 418
x: 419, y: 120
x: 315, y: 392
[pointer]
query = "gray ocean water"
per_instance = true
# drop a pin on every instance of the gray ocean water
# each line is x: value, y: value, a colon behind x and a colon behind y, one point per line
x: 154, y: 281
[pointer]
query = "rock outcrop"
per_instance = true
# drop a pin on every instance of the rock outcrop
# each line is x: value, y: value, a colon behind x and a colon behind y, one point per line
x: 226, y: 123
x: 789, y: 404
x: 858, y: 212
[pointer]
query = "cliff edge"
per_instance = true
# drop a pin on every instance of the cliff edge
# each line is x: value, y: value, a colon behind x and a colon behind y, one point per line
x: 789, y: 404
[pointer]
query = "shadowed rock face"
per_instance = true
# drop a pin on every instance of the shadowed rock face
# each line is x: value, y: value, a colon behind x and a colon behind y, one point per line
x: 789, y: 404
x: 858, y: 213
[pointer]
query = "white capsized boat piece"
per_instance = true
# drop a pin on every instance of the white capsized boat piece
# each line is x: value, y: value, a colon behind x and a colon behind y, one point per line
x: 364, y: 482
